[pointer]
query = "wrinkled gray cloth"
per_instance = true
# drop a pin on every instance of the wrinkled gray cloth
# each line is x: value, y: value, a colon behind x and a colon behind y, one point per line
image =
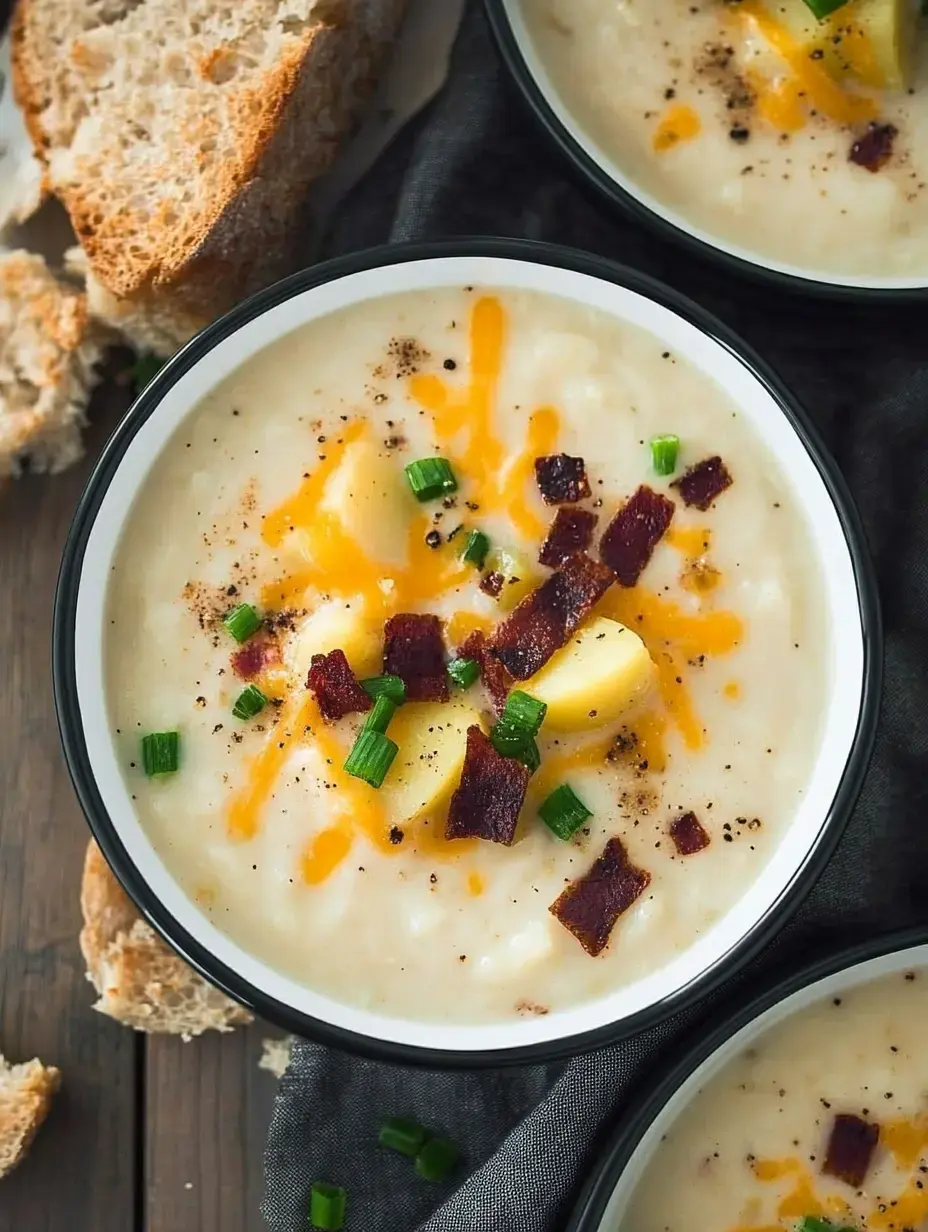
x: 476, y: 164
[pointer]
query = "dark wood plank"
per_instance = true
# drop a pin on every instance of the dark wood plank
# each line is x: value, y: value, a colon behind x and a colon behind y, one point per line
x: 208, y: 1107
x: 81, y: 1172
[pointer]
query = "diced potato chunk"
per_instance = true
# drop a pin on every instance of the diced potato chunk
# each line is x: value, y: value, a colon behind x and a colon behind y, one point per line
x: 370, y: 497
x: 339, y: 625
x: 520, y: 577
x: 870, y: 40
x: 598, y: 675
x: 432, y: 739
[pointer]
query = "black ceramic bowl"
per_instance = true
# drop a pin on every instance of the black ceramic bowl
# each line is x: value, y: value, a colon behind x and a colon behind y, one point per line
x: 595, y: 167
x: 669, y: 1091
x: 848, y: 589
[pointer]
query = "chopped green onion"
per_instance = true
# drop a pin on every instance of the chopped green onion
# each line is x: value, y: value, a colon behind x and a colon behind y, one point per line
x: 464, y: 672
x: 824, y: 8
x: 564, y: 812
x: 160, y: 753
x: 145, y: 369
x: 378, y: 720
x: 514, y: 742
x: 250, y: 701
x: 437, y: 1160
x: 371, y: 757
x: 476, y: 549
x: 812, y: 1223
x: 524, y: 712
x: 327, y: 1207
x: 431, y: 478
x: 242, y: 622
x: 399, y: 1134
x: 664, y: 450
x: 385, y: 686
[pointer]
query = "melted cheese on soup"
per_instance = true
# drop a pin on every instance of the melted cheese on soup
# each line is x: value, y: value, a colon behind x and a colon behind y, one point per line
x: 749, y: 1154
x: 285, y: 489
x: 793, y: 139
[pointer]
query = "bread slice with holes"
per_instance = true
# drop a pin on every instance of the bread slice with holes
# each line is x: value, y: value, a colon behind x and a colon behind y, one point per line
x: 49, y: 349
x: 182, y: 138
x: 140, y: 980
x: 26, y: 1093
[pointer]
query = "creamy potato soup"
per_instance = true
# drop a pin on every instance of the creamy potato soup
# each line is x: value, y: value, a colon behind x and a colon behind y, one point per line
x: 628, y: 749
x: 804, y: 141
x: 821, y: 1124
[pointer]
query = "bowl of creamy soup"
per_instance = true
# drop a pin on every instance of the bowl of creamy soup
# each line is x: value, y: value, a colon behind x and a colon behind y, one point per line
x: 805, y: 1112
x: 466, y: 649
x: 787, y: 135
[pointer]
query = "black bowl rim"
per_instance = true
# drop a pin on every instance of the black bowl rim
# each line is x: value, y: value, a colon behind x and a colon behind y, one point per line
x: 649, y: 1098
x: 620, y: 198
x: 69, y: 719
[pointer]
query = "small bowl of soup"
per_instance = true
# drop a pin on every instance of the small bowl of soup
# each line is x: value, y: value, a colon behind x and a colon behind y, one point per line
x: 805, y: 1110
x: 466, y: 652
x: 786, y: 136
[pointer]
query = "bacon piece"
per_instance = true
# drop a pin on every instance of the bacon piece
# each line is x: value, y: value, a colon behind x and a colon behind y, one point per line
x: 545, y: 619
x: 688, y: 834
x: 561, y: 479
x: 702, y: 483
x: 414, y: 650
x: 490, y: 795
x: 590, y: 906
x: 333, y: 682
x: 571, y: 531
x: 850, y: 1148
x: 875, y: 148
x: 258, y: 653
x: 497, y: 680
x: 631, y: 537
x: 492, y: 584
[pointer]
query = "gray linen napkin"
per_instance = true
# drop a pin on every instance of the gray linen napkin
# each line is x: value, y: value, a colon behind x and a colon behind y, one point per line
x: 475, y: 164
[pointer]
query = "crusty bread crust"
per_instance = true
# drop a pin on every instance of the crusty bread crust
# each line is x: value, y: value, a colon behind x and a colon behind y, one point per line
x: 48, y: 353
x: 141, y: 982
x: 26, y: 1093
x: 287, y: 126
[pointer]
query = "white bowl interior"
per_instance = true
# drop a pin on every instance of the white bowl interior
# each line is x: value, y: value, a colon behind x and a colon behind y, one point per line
x: 830, y: 547
x: 833, y: 985
x: 595, y: 152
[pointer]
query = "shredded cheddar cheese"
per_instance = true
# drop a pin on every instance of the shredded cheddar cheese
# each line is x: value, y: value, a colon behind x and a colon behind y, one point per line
x: 679, y: 123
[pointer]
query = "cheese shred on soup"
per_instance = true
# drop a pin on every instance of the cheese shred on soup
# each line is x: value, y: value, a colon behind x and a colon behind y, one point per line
x: 596, y: 755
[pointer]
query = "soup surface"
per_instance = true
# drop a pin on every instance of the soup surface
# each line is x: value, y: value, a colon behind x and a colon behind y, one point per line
x: 759, y: 1149
x: 800, y: 141
x: 285, y: 489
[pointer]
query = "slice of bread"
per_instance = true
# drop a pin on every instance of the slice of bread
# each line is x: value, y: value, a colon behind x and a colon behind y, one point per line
x: 275, y: 1055
x: 25, y: 1097
x: 48, y: 349
x: 21, y: 189
x: 182, y: 138
x: 141, y: 982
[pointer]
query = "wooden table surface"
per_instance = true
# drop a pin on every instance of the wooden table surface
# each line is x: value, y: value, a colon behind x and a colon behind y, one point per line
x: 148, y: 1134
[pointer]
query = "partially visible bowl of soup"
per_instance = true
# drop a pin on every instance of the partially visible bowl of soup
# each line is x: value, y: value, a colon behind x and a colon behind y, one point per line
x: 788, y: 135
x: 804, y: 1113
x: 466, y: 650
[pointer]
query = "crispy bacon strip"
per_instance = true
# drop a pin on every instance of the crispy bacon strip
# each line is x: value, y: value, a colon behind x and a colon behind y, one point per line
x: 258, y: 653
x: 333, y: 682
x: 545, y: 619
x: 631, y: 537
x: 490, y: 795
x: 414, y: 650
x: 688, y: 834
x: 703, y: 483
x: 496, y: 679
x: 571, y: 531
x: 590, y: 906
x: 561, y: 479
x: 875, y: 148
x: 850, y: 1148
